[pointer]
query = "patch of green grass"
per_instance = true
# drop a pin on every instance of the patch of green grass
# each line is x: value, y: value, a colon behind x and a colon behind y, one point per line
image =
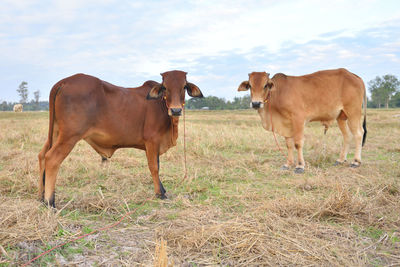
x: 376, y: 262
x: 87, y: 243
x: 176, y: 205
x: 394, y: 239
x: 172, y: 216
x: 370, y: 232
x: 72, y: 250
x: 142, y: 208
x: 87, y: 230
x: 48, y: 259
x: 62, y: 232
x: 68, y: 249
x: 76, y: 215
x: 373, y: 232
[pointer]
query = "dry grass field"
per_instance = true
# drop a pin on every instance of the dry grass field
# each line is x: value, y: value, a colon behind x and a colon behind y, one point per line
x: 237, y: 208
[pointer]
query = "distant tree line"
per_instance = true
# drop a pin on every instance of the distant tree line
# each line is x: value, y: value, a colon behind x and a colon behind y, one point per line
x: 31, y: 106
x: 216, y: 103
x: 23, y: 93
x: 385, y: 93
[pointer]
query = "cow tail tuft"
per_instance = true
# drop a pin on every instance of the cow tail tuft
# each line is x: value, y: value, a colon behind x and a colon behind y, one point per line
x: 365, y: 117
x: 365, y: 130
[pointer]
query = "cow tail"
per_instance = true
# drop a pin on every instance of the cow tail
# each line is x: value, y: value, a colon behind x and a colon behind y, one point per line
x: 365, y: 117
x: 52, y: 108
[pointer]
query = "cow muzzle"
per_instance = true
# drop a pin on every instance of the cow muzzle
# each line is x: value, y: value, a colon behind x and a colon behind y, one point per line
x: 176, y: 111
x: 257, y: 105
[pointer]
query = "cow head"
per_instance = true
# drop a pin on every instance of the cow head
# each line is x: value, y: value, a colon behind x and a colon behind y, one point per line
x: 259, y: 83
x: 173, y: 88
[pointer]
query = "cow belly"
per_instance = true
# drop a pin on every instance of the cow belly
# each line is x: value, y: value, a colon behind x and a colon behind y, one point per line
x: 106, y: 144
x: 99, y: 148
x: 325, y: 117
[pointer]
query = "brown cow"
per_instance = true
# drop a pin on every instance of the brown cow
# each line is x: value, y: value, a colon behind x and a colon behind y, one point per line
x: 322, y: 96
x: 109, y: 117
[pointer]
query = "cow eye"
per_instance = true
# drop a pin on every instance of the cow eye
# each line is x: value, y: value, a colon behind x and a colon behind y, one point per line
x: 163, y: 88
x: 186, y: 87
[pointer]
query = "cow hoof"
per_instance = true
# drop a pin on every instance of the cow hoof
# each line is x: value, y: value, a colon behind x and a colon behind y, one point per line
x: 284, y: 168
x: 354, y: 165
x: 337, y: 163
x: 161, y: 196
x: 299, y: 170
x: 162, y: 189
x: 49, y: 204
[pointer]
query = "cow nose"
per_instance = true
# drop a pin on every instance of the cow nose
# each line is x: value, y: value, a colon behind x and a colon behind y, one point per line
x: 256, y: 104
x: 176, y: 111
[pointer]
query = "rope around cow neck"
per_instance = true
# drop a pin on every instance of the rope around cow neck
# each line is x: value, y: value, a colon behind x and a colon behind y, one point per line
x: 184, y: 143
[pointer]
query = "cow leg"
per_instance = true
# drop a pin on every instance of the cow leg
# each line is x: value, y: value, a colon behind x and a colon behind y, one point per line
x: 346, y: 141
x: 152, y: 154
x: 290, y: 148
x: 41, y: 156
x: 163, y: 191
x: 357, y: 131
x: 41, y: 169
x: 53, y: 159
x: 298, y: 129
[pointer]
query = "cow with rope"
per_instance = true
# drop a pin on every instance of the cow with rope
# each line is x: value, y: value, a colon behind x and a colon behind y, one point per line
x: 109, y: 117
x: 286, y: 103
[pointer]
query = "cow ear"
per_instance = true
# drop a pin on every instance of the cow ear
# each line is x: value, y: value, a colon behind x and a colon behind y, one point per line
x: 193, y: 90
x: 270, y: 84
x: 244, y: 86
x: 156, y: 92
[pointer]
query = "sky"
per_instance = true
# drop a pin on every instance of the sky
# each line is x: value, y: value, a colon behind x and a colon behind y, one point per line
x: 217, y: 42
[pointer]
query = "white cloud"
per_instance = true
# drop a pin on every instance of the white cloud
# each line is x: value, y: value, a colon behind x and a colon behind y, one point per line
x: 344, y: 53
